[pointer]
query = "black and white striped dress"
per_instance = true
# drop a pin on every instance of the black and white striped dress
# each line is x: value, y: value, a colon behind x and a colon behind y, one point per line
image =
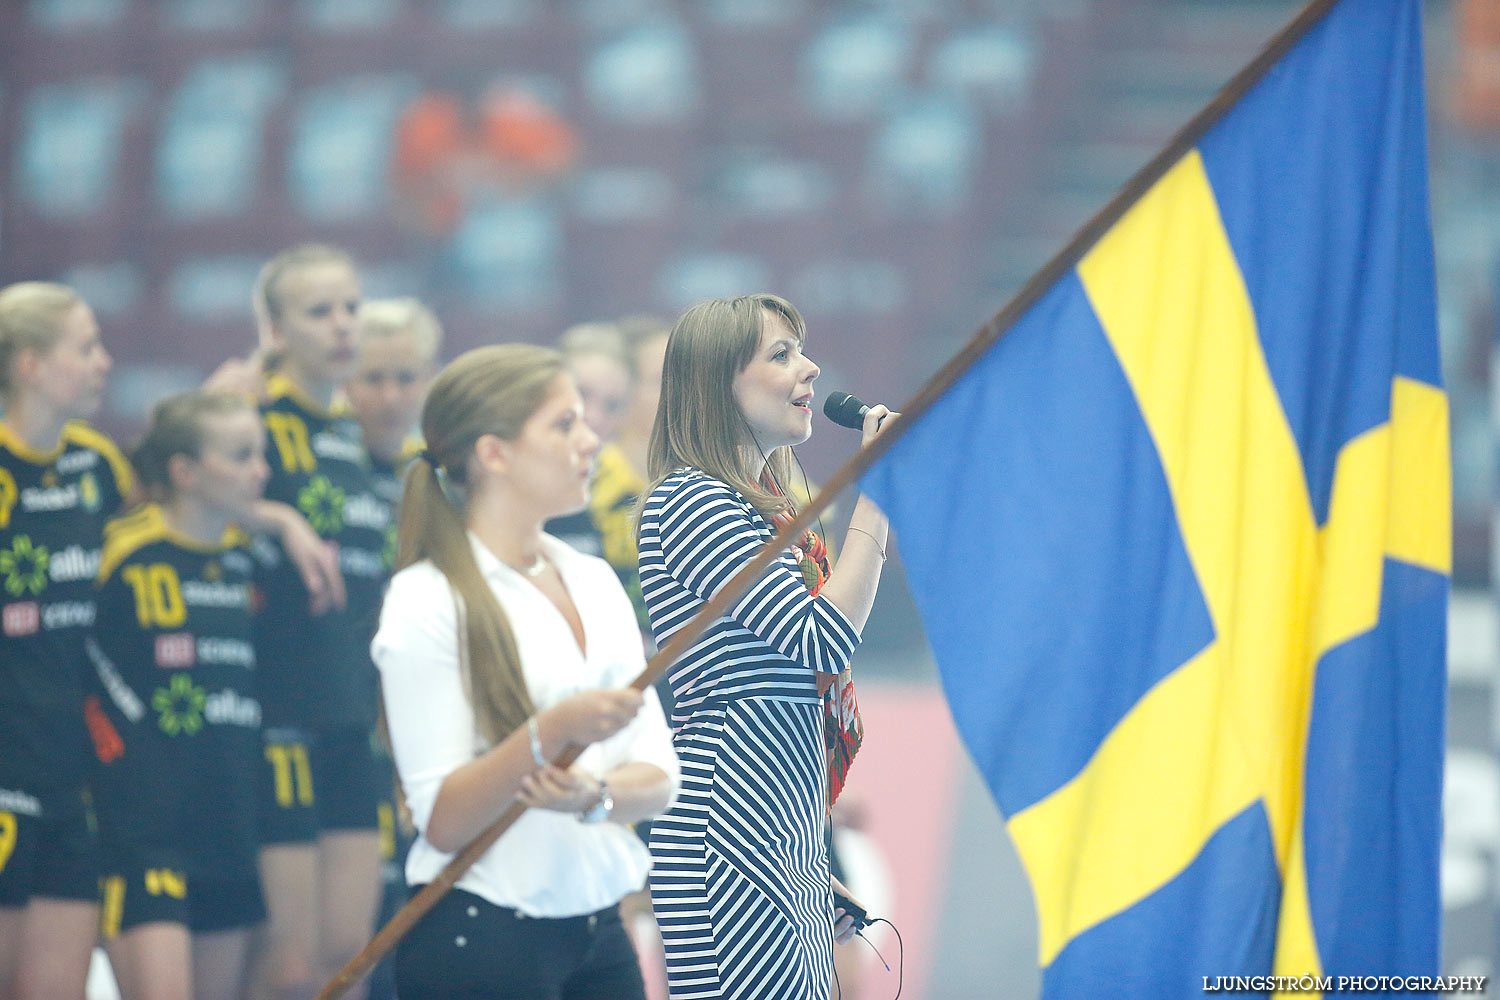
x: 739, y: 878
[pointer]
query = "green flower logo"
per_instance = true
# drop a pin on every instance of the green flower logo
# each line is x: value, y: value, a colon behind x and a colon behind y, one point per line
x: 388, y: 551
x: 322, y: 503
x: 24, y: 566
x: 179, y: 706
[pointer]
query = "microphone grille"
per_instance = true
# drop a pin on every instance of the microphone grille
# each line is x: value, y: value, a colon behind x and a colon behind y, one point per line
x: 844, y: 409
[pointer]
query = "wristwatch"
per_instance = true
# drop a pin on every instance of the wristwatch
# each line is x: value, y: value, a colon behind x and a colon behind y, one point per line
x: 599, y: 811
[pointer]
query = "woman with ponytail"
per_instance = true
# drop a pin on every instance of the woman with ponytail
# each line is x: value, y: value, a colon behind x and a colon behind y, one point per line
x: 498, y: 646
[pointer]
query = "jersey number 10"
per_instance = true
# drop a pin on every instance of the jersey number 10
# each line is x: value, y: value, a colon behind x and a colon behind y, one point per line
x: 158, y: 595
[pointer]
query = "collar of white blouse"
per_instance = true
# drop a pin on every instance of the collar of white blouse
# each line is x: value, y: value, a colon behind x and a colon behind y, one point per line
x: 539, y: 626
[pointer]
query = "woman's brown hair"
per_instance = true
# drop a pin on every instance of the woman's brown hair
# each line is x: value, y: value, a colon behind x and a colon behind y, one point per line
x: 698, y: 422
x: 177, y: 428
x: 489, y: 390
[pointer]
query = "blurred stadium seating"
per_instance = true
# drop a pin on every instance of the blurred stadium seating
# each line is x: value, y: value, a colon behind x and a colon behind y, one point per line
x: 844, y: 153
x: 897, y: 167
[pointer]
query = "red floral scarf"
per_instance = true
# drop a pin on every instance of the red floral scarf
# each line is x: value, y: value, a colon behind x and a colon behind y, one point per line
x: 843, y: 730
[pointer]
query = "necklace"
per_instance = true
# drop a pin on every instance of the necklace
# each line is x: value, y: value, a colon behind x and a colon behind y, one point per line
x: 535, y: 569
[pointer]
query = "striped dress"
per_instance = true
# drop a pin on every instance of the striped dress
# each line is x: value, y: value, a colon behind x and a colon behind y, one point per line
x: 739, y: 878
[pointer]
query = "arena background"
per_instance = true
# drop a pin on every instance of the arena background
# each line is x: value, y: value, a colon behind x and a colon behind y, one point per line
x: 897, y: 169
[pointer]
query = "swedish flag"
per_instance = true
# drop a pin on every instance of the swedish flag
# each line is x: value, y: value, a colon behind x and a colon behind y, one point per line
x: 1181, y: 541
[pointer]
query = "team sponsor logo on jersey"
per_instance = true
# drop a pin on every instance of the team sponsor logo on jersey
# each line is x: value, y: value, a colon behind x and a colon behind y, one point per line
x: 24, y: 566
x: 266, y: 552
x: 230, y: 708
x: 226, y: 652
x: 179, y: 706
x: 16, y: 801
x: 176, y: 651
x: 203, y: 594
x: 22, y: 619
x: 365, y: 511
x: 119, y: 692
x: 88, y: 493
x: 237, y: 562
x: 389, y: 488
x: 76, y: 461
x: 68, y: 614
x: 73, y: 563
x: 359, y: 562
x: 341, y: 447
x: 49, y: 498
x: 322, y: 503
x: 8, y: 496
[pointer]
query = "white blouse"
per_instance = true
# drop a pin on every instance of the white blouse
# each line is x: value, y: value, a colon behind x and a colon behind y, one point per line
x: 548, y: 864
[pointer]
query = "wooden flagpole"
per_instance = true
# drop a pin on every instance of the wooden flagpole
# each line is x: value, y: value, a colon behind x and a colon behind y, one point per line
x: 1064, y: 261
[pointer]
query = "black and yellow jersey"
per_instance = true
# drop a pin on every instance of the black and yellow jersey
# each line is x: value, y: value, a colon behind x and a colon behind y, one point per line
x: 613, y: 494
x: 316, y: 671
x: 53, y: 506
x: 174, y: 718
x: 579, y: 530
x: 390, y: 483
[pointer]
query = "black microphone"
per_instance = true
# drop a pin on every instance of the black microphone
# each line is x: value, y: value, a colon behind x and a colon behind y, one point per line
x: 845, y: 409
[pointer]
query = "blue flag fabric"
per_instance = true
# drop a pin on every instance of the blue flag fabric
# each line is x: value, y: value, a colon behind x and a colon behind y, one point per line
x: 1181, y: 542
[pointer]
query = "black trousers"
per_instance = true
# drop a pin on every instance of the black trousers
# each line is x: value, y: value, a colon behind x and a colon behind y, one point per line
x: 470, y: 949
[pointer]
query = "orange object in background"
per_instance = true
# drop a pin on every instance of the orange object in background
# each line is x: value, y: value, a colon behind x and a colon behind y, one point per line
x: 1476, y: 95
x: 430, y: 131
x: 441, y: 158
x: 430, y: 138
x: 524, y: 132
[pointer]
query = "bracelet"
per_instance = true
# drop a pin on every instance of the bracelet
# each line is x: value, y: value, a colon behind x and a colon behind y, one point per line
x: 599, y: 811
x: 536, y: 742
x: 872, y: 538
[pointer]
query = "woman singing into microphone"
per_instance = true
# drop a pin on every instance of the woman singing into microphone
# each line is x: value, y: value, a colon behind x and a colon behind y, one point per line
x: 765, y: 720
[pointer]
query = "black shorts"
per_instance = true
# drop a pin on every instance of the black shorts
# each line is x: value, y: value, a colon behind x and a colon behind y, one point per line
x: 313, y: 782
x: 51, y: 853
x: 467, y: 948
x: 153, y: 888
